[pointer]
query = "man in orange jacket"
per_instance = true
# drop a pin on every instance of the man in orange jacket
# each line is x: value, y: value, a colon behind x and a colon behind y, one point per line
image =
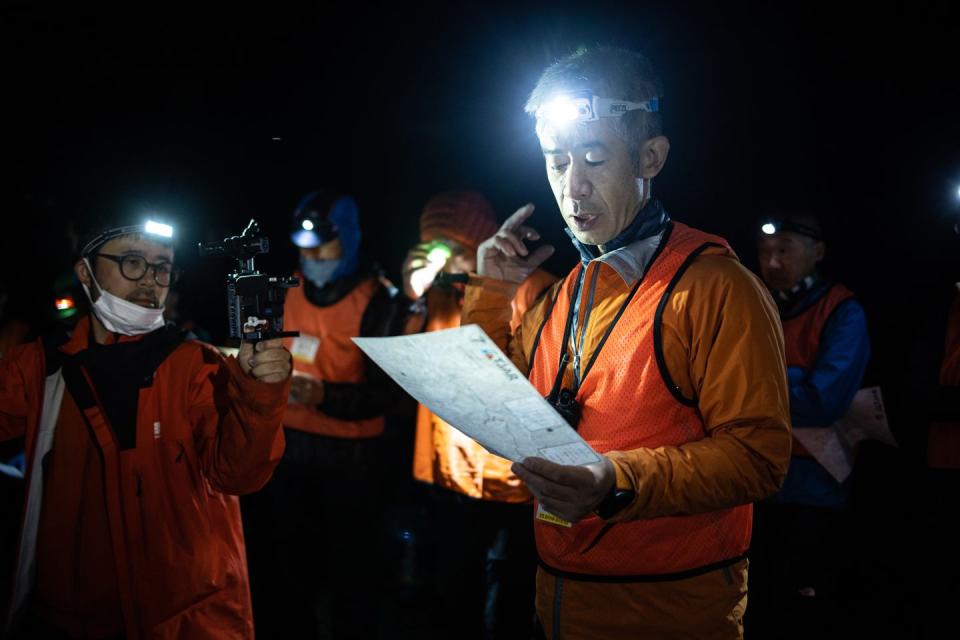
x: 485, y: 559
x: 662, y: 350
x: 138, y: 443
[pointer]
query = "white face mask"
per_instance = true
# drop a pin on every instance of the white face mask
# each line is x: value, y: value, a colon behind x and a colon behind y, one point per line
x: 120, y: 316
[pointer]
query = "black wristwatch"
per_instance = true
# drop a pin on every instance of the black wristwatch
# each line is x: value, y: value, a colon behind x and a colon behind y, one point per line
x: 614, y: 502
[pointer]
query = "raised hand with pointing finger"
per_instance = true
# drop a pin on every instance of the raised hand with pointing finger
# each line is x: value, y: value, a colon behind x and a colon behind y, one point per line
x: 505, y: 256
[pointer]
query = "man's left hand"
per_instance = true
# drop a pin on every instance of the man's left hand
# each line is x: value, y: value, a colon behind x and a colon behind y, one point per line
x: 306, y: 390
x: 267, y: 360
x: 569, y: 491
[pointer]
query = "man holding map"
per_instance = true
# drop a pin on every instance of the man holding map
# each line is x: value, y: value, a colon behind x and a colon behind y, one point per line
x: 661, y: 350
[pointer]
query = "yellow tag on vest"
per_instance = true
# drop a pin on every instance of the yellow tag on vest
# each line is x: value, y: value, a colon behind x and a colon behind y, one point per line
x: 546, y: 516
x: 304, y: 349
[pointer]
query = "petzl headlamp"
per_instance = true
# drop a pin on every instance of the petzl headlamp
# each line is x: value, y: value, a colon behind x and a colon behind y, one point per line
x: 584, y: 106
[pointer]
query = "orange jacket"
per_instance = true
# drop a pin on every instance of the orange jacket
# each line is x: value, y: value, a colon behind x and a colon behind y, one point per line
x: 443, y: 455
x: 330, y: 355
x: 203, y: 433
x: 722, y: 347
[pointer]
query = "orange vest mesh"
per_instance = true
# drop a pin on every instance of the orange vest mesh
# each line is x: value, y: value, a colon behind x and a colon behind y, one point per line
x: 338, y: 359
x: 625, y: 404
x: 801, y: 336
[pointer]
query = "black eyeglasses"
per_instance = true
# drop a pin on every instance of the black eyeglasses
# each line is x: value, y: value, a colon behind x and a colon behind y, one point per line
x: 133, y: 267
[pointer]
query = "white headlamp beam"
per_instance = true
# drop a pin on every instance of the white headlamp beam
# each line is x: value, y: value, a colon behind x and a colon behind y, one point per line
x: 583, y: 106
x: 150, y: 227
x: 158, y: 229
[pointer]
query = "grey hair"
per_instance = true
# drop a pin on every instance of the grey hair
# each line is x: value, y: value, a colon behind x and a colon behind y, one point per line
x: 608, y: 72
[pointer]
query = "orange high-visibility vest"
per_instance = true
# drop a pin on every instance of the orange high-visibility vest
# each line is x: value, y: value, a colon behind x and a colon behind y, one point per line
x: 801, y: 337
x: 802, y: 333
x: 337, y: 358
x: 626, y: 404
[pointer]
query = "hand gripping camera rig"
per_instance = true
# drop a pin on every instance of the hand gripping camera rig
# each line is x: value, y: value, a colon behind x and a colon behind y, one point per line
x: 254, y: 299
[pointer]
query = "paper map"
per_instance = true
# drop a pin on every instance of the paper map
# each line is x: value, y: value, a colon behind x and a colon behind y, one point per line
x: 835, y: 447
x: 463, y: 377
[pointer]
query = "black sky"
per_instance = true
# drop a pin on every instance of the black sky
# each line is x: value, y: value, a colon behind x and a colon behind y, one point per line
x: 853, y: 111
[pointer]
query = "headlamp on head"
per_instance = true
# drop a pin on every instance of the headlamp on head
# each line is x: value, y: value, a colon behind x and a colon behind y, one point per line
x: 311, y: 221
x: 152, y: 229
x: 584, y: 106
x: 439, y: 253
x: 773, y: 226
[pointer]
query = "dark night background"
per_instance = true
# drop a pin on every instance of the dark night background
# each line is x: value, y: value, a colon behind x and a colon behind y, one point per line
x: 175, y: 110
x: 211, y: 115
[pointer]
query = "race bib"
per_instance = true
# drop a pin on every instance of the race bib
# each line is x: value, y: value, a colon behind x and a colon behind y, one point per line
x: 304, y: 349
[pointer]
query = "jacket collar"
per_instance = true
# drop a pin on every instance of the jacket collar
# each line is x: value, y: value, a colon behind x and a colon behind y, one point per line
x: 629, y: 253
x: 82, y: 335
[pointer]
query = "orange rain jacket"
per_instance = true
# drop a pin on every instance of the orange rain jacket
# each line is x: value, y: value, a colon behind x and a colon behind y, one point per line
x: 444, y: 456
x: 720, y: 344
x: 174, y: 555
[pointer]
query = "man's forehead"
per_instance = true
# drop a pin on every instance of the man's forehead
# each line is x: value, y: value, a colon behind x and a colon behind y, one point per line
x: 583, y: 135
x: 784, y: 238
x: 136, y: 243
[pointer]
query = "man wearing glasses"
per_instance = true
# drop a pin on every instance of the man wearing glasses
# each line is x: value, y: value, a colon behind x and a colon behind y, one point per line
x: 138, y: 443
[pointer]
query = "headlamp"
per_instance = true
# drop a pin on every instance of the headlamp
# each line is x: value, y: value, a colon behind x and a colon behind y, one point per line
x: 584, y: 106
x: 439, y: 253
x: 773, y: 226
x: 159, y: 231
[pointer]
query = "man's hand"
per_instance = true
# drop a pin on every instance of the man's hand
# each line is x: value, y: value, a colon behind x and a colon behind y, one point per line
x: 267, y: 360
x: 505, y: 256
x: 306, y: 390
x: 568, y: 491
x: 419, y: 272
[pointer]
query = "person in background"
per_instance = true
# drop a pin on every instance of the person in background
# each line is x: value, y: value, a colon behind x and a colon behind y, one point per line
x: 798, y: 553
x: 485, y: 561
x: 315, y: 528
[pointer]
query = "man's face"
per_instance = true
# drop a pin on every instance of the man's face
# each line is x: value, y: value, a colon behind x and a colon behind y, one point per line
x: 786, y: 258
x: 332, y: 250
x: 593, y: 179
x: 144, y: 291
